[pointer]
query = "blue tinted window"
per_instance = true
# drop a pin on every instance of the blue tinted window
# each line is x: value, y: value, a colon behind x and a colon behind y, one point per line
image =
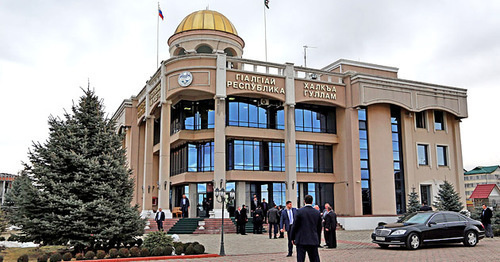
x: 192, y: 158
x: 365, y: 184
x: 362, y: 114
x: 262, y: 118
x: 299, y: 119
x: 233, y: 113
x: 243, y: 113
x: 280, y: 119
x: 211, y: 118
x: 253, y: 116
x: 365, y: 174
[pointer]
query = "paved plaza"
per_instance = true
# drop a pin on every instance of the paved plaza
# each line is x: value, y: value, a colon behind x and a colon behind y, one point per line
x: 352, y: 246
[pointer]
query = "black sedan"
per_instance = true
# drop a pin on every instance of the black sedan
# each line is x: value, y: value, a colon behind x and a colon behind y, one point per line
x: 429, y: 227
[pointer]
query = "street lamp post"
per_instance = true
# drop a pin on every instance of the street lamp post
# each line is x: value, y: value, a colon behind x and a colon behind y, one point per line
x: 221, y: 197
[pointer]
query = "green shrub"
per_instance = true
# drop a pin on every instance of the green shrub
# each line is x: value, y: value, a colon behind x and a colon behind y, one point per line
x: 135, y: 252
x: 100, y: 254
x: 23, y: 258
x: 13, y: 237
x: 1, y: 258
x: 189, y: 250
x: 89, y: 255
x: 56, y: 257
x: 199, y: 249
x: 144, y: 252
x: 2, y: 239
x: 113, y: 253
x: 157, y: 251
x: 42, y: 258
x: 67, y: 256
x: 157, y: 239
x: 179, y: 250
x: 79, y: 256
x: 123, y: 252
x: 167, y: 251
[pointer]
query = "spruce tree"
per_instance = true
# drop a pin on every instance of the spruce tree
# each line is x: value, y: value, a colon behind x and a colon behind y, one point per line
x: 77, y: 188
x: 413, y: 203
x: 448, y: 199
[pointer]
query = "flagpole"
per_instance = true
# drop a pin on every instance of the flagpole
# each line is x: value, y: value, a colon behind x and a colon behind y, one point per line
x: 265, y: 31
x: 157, y: 33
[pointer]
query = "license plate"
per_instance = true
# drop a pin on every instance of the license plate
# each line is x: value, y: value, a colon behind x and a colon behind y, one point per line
x: 380, y: 238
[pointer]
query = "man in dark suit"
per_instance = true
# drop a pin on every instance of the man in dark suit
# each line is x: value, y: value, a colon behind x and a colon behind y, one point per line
x: 286, y: 223
x: 486, y: 220
x: 184, y: 206
x: 242, y: 219
x: 265, y: 208
x: 236, y: 219
x: 159, y: 218
x: 305, y: 231
x: 254, y: 204
x: 330, y: 227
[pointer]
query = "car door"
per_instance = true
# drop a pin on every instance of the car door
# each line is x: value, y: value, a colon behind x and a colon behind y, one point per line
x: 436, y: 228
x: 455, y: 225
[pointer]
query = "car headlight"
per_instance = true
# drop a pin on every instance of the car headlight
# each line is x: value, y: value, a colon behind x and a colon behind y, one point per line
x: 398, y: 232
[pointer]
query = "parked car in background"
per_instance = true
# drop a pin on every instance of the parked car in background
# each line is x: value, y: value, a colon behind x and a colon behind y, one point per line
x: 429, y: 227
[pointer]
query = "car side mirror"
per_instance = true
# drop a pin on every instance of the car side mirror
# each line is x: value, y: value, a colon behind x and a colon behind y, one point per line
x: 432, y: 223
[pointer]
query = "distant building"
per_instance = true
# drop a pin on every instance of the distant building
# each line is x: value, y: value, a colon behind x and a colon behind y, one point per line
x: 479, y: 176
x: 5, y: 185
x: 352, y: 134
x: 488, y: 194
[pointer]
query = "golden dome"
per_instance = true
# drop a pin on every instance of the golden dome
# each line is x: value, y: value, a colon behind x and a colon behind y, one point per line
x: 206, y: 20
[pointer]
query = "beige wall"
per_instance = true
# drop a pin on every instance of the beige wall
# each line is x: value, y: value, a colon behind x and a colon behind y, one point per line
x: 381, y: 159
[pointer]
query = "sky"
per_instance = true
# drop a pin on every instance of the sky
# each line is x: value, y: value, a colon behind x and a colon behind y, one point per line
x: 51, y: 49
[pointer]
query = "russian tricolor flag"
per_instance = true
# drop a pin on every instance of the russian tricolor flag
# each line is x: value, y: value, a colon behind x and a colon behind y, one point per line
x: 160, y: 13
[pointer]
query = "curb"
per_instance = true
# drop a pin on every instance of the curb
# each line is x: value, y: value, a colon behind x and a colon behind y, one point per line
x: 155, y: 258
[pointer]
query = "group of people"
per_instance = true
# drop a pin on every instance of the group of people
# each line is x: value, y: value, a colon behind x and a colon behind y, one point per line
x: 303, y: 226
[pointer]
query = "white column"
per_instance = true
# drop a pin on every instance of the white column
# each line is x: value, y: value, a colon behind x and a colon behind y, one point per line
x: 290, y: 153
x: 164, y: 176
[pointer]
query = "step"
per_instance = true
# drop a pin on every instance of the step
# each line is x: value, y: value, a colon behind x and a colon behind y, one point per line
x: 213, y: 226
x: 167, y: 224
x: 185, y: 226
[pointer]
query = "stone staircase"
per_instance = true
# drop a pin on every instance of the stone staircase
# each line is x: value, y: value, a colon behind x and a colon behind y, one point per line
x: 167, y: 224
x: 185, y: 226
x: 213, y: 226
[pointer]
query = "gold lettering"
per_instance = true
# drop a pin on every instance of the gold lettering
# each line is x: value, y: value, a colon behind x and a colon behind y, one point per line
x: 273, y: 81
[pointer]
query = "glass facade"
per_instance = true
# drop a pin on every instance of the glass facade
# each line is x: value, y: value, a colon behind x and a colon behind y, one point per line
x: 192, y: 115
x: 270, y: 156
x: 313, y: 158
x: 192, y: 157
x: 397, y: 157
x: 322, y: 193
x: 249, y: 112
x: 364, y: 162
x: 317, y: 119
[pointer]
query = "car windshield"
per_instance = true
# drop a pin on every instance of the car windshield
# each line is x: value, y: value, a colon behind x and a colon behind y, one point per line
x: 417, y: 218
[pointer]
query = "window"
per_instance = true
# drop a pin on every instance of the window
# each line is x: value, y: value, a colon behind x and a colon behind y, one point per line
x: 442, y: 155
x: 425, y: 194
x: 420, y: 118
x: 397, y: 158
x: 248, y: 112
x: 423, y: 157
x: 204, y: 49
x: 270, y: 156
x: 438, y: 120
x: 439, y: 218
x: 452, y: 217
x: 314, y: 158
x: 317, y: 119
x: 364, y: 161
x: 192, y: 157
x: 192, y: 115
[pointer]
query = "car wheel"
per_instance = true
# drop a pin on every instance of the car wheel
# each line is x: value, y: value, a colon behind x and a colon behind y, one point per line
x: 413, y: 241
x: 470, y: 238
x: 384, y: 246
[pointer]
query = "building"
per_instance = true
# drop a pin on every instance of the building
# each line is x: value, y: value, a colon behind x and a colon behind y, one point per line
x: 479, y: 176
x: 352, y: 134
x: 5, y: 185
x: 487, y: 194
